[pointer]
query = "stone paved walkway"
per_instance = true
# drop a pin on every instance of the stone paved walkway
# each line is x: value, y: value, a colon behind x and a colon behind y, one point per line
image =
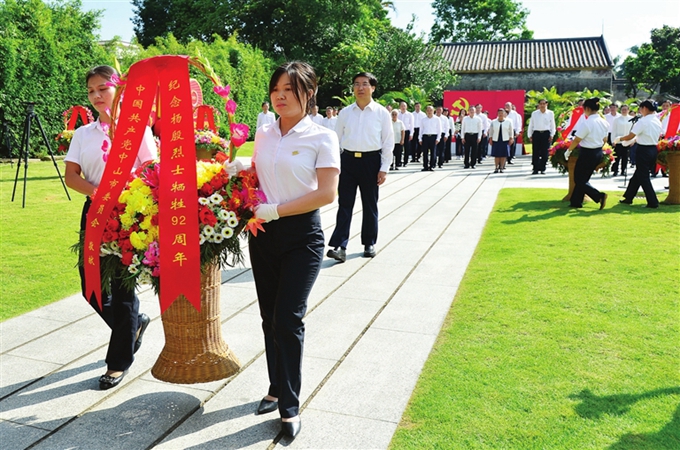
x: 371, y: 325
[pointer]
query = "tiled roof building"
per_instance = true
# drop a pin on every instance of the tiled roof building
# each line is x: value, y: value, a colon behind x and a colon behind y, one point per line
x: 568, y: 64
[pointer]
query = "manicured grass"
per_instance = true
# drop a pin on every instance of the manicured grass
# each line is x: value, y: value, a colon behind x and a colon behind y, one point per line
x: 36, y: 265
x: 563, y: 335
x: 246, y: 149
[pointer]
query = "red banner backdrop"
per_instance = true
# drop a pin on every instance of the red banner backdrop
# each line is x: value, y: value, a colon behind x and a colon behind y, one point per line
x: 673, y: 121
x: 490, y: 101
x: 178, y: 197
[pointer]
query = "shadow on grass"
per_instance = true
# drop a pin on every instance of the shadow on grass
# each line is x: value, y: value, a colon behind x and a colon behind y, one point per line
x: 29, y: 178
x: 594, y: 407
x: 547, y: 209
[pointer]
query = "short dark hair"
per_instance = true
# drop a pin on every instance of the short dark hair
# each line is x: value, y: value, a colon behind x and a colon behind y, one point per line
x: 371, y: 78
x: 302, y: 79
x: 103, y: 71
x: 416, y: 103
x: 649, y: 105
x: 592, y: 103
x: 264, y: 103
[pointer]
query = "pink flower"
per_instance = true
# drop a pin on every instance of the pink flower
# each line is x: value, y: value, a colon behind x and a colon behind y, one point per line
x: 222, y: 91
x: 230, y: 106
x: 105, y: 145
x: 115, y: 81
x: 239, y: 133
x: 105, y: 156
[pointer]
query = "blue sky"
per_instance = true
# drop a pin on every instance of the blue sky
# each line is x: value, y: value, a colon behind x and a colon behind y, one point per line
x: 621, y: 21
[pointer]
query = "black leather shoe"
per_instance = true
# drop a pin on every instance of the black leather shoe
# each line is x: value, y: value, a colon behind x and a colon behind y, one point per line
x: 291, y: 429
x: 267, y: 406
x: 337, y: 254
x: 143, y: 323
x: 652, y: 206
x: 108, y: 382
x: 626, y: 201
x: 603, y: 201
x: 369, y: 251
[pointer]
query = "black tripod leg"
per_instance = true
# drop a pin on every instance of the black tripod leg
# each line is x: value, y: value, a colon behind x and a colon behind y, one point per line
x: 49, y: 150
x: 24, y: 144
x: 28, y: 140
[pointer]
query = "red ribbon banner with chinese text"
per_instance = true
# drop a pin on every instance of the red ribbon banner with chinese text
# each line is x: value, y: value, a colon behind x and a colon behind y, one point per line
x: 204, y: 113
x: 673, y: 121
x: 575, y: 115
x: 178, y: 197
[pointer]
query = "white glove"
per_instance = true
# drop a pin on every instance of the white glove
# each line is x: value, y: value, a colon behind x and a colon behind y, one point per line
x: 266, y: 212
x: 234, y: 167
x: 616, y: 141
x: 566, y: 154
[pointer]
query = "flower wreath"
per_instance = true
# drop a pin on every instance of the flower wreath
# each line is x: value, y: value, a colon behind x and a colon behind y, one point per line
x: 559, y: 160
x: 71, y: 116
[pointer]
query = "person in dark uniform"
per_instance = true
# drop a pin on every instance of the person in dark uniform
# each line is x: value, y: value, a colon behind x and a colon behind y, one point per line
x: 591, y: 136
x: 297, y: 164
x: 646, y: 131
x: 367, y: 140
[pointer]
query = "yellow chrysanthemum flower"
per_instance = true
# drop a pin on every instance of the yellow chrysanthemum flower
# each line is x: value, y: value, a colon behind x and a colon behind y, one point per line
x: 137, y: 239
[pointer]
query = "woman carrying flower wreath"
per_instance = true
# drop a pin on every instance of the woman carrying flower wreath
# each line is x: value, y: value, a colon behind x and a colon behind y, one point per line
x: 591, y: 136
x: 298, y: 165
x: 85, y: 162
x: 646, y: 132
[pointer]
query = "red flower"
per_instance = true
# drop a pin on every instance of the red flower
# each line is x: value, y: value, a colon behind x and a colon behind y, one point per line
x: 220, y: 157
x: 109, y: 236
x: 206, y: 216
x: 239, y: 133
x: 206, y: 190
x: 126, y: 246
x: 127, y: 258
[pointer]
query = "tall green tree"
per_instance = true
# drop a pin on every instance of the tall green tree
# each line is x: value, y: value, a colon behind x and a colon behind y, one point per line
x: 655, y: 65
x: 479, y: 20
x: 46, y: 49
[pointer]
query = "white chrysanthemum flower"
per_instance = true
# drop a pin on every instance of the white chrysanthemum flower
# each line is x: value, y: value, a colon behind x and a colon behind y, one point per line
x: 133, y: 269
x: 217, y: 239
x: 208, y: 231
x: 216, y: 199
x: 203, y: 201
x: 114, y: 247
x: 232, y: 222
x: 201, y: 239
x: 227, y: 233
x: 223, y: 215
x: 144, y: 276
x: 232, y: 214
x: 135, y: 259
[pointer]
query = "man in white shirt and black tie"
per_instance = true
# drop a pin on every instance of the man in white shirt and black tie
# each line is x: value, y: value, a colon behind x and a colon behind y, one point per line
x: 266, y: 116
x: 367, y: 140
x: 407, y: 118
x: 416, y: 148
x: 541, y: 132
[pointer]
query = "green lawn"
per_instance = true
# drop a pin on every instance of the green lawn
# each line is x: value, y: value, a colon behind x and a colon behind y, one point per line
x: 36, y: 266
x: 563, y: 335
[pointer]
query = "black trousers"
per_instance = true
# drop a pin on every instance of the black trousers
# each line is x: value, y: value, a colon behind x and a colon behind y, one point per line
x: 539, y: 154
x: 429, y: 150
x: 621, y: 159
x: 356, y: 173
x: 120, y: 311
x: 447, y: 149
x: 588, y: 160
x: 646, y: 162
x: 513, y: 148
x: 396, y: 153
x: 459, y: 145
x: 470, y: 149
x: 286, y: 260
x: 441, y: 148
x: 407, y: 148
x: 416, y: 149
x: 483, y: 148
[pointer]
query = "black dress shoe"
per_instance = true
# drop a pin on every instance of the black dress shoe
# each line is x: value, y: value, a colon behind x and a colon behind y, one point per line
x: 337, y: 254
x: 626, y: 201
x: 108, y: 382
x: 143, y: 323
x: 291, y: 429
x: 535, y: 172
x: 369, y: 251
x: 652, y: 206
x: 267, y: 406
x: 510, y: 162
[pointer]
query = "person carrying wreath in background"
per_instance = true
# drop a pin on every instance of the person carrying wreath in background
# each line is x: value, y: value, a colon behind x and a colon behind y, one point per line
x: 85, y: 162
x: 646, y: 132
x: 297, y: 164
x: 590, y: 136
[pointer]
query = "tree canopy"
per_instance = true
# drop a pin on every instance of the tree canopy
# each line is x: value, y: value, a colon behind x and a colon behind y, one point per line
x: 655, y: 65
x: 479, y: 20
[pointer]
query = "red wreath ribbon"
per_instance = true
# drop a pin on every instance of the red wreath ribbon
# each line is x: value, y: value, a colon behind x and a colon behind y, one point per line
x: 575, y: 115
x: 205, y: 113
x: 180, y: 262
x: 673, y: 121
x: 73, y: 119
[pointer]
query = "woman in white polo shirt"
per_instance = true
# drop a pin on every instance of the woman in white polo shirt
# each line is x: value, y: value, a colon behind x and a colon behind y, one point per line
x: 591, y: 136
x: 85, y: 162
x: 298, y: 166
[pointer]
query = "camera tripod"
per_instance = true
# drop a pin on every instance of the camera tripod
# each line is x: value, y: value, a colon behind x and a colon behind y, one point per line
x: 25, y: 141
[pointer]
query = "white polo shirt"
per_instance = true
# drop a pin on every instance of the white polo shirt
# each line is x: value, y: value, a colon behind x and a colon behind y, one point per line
x: 407, y: 118
x: 418, y: 118
x: 398, y: 127
x: 542, y: 122
x: 263, y: 118
x: 621, y: 126
x: 471, y: 125
x: 647, y: 130
x: 86, y: 151
x: 593, y: 131
x: 286, y: 165
x: 430, y: 125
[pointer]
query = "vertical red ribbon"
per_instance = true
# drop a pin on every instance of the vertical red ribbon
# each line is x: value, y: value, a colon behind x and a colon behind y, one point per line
x: 75, y: 112
x: 205, y: 113
x: 575, y: 115
x: 180, y: 258
x: 673, y: 121
x: 124, y: 149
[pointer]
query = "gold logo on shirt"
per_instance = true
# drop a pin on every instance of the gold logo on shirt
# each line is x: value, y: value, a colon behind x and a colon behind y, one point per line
x: 295, y: 152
